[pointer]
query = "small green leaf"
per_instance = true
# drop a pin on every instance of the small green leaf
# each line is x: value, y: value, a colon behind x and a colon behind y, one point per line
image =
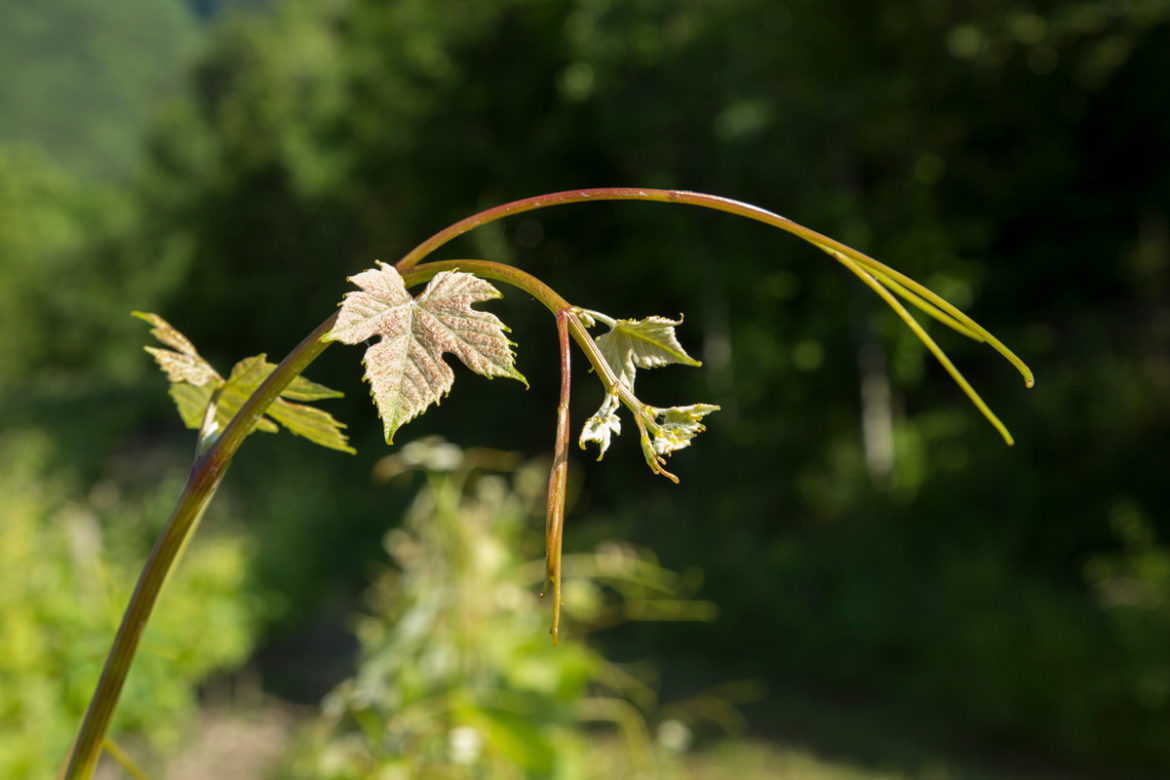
x: 246, y: 376
x: 647, y: 343
x: 405, y: 367
x: 626, y: 347
x: 184, y: 368
x: 181, y: 363
x: 194, y: 385
x: 314, y: 424
x: 191, y: 401
x: 301, y: 389
x: 167, y: 335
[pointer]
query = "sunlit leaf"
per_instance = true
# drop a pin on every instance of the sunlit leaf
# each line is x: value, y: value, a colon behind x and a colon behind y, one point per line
x: 673, y: 428
x: 647, y: 343
x: 626, y: 347
x: 246, y: 376
x: 195, y: 385
x: 405, y: 367
x: 602, y: 425
x: 310, y: 422
x: 301, y: 389
x: 181, y: 363
x: 191, y: 401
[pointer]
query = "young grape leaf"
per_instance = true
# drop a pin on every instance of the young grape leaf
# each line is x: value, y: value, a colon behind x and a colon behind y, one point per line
x: 601, y: 425
x: 405, y: 367
x: 181, y: 363
x: 626, y: 347
x: 313, y: 424
x: 192, y: 400
x: 647, y: 343
x: 679, y: 424
x: 194, y: 385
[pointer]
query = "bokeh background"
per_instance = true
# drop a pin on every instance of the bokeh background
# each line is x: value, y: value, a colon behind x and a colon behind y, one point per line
x: 898, y: 593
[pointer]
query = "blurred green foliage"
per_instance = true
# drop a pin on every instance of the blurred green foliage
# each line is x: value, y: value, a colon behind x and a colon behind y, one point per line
x: 81, y: 77
x: 71, y: 561
x: 457, y: 675
x: 81, y: 502
x: 1013, y: 158
x: 68, y: 277
x: 979, y: 149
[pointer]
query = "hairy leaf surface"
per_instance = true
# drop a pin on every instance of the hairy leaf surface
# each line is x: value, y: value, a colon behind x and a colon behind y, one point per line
x: 195, y: 385
x: 603, y: 424
x: 181, y: 363
x: 673, y: 428
x: 647, y: 343
x: 405, y: 367
x: 626, y: 347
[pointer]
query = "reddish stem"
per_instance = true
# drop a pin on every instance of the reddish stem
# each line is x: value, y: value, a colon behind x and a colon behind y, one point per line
x: 831, y: 246
x: 414, y: 256
x: 555, y: 519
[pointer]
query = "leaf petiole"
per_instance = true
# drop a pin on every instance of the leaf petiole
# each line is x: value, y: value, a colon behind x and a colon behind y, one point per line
x: 590, y: 315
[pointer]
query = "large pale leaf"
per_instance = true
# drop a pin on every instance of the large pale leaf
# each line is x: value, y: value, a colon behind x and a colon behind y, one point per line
x: 195, y: 385
x: 405, y: 367
x: 647, y: 343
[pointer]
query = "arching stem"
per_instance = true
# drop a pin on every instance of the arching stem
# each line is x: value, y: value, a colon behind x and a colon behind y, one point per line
x: 209, y: 467
x: 910, y: 290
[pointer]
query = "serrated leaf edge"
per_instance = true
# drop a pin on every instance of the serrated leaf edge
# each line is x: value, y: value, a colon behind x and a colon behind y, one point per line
x: 300, y: 389
x: 381, y: 294
x: 662, y: 430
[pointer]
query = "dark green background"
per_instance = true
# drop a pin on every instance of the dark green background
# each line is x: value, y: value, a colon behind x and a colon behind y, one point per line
x: 228, y: 165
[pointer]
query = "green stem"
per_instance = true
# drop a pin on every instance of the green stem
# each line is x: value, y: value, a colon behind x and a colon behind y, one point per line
x: 568, y: 322
x: 209, y: 468
x: 487, y: 269
x: 873, y: 283
x: 202, y: 482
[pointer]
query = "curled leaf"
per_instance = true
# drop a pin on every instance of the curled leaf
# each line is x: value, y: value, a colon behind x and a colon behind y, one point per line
x: 405, y: 367
x: 601, y: 425
x: 673, y: 428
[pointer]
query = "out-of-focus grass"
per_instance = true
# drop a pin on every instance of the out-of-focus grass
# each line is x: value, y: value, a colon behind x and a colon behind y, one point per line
x: 234, y: 743
x: 751, y: 759
x: 757, y: 759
